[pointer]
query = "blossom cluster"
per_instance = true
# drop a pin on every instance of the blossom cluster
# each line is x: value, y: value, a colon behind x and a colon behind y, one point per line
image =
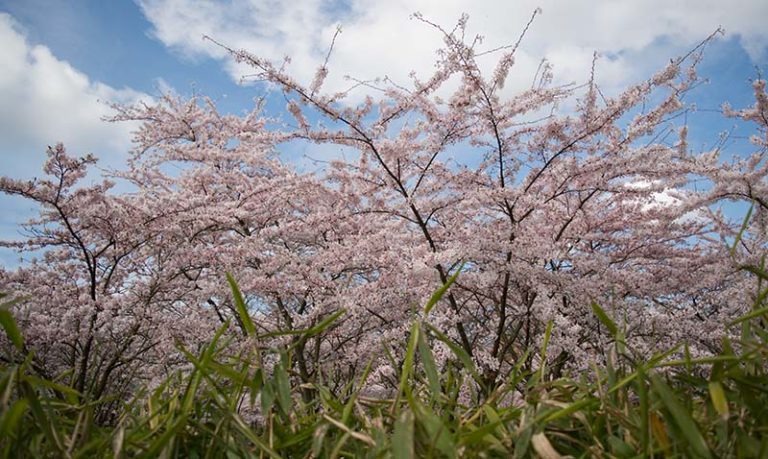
x: 544, y: 211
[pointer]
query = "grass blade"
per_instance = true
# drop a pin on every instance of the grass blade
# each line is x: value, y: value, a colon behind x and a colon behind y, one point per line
x: 681, y: 417
x: 9, y: 326
x: 605, y: 319
x: 441, y: 291
x: 403, y: 436
x: 241, y: 308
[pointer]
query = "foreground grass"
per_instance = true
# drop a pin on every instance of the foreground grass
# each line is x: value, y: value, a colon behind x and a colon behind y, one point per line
x: 627, y: 408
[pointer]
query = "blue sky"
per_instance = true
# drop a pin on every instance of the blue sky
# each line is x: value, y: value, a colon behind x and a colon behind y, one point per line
x: 62, y: 60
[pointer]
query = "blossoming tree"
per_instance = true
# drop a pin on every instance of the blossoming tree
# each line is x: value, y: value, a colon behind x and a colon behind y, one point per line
x: 543, y: 209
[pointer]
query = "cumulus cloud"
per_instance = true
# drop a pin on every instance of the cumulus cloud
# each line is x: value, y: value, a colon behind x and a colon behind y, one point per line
x: 379, y: 39
x: 46, y: 100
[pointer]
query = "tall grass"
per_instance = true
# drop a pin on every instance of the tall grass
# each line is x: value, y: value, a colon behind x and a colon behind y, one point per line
x: 248, y: 404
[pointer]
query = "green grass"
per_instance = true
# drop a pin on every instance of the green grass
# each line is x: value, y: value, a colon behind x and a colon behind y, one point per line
x: 626, y: 408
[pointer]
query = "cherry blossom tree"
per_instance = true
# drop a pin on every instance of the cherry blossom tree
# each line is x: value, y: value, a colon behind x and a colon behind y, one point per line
x: 546, y: 201
x: 91, y: 312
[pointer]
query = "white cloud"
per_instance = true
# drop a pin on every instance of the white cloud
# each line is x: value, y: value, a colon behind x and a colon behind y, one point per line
x: 46, y: 100
x: 378, y: 38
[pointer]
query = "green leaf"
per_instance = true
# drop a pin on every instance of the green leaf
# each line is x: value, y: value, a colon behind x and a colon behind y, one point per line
x: 523, y: 441
x: 437, y: 432
x: 349, y: 406
x: 9, y: 325
x: 402, y: 437
x: 742, y: 230
x: 72, y: 394
x: 283, y: 386
x: 267, y: 397
x: 681, y: 417
x: 441, y: 291
x: 568, y: 410
x: 430, y: 368
x: 719, y: 400
x: 318, y: 437
x: 248, y: 433
x: 241, y: 308
x: 410, y: 350
x: 10, y: 418
x: 323, y: 324
x: 620, y: 447
x: 458, y: 351
x: 544, y: 345
x: 42, y: 416
x: 306, y: 332
x: 484, y: 434
x: 626, y: 380
x: 603, y: 317
x: 751, y: 315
